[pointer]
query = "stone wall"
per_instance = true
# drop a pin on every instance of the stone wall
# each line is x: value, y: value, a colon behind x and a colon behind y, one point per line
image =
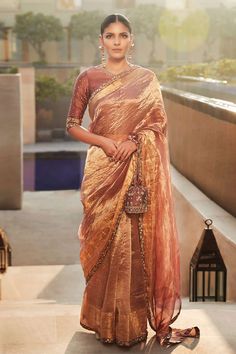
x: 202, y: 138
x: 11, y: 142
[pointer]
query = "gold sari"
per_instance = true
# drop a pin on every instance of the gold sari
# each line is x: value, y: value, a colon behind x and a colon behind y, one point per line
x: 130, y: 262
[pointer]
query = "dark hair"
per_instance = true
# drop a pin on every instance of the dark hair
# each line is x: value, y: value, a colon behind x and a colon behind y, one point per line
x: 115, y: 18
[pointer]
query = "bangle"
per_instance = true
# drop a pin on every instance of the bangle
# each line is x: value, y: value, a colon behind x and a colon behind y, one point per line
x: 133, y: 137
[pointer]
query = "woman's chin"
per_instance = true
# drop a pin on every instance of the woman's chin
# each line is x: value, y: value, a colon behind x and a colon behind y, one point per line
x: 117, y: 56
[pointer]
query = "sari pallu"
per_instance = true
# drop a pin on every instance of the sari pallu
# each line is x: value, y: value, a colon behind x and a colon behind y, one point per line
x: 131, y: 263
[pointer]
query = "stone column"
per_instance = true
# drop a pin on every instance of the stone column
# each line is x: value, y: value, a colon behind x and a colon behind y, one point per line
x: 28, y: 103
x: 11, y: 142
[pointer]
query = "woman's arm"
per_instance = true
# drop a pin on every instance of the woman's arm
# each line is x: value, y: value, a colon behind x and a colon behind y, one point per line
x: 82, y: 134
x: 78, y: 104
x: 75, y: 116
x: 108, y: 145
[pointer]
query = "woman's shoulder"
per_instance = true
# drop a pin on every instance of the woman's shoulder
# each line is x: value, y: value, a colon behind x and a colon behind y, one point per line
x: 85, y: 75
x: 81, y: 75
x: 92, y: 68
x: 147, y: 71
x: 90, y: 72
x: 84, y: 71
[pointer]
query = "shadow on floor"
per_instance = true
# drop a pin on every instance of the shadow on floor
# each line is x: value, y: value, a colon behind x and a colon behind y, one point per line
x: 86, y: 343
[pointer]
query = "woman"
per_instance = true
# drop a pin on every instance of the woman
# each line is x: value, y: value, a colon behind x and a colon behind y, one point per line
x: 130, y: 261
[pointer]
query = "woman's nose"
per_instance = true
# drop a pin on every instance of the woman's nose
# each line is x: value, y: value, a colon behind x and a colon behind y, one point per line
x: 117, y: 41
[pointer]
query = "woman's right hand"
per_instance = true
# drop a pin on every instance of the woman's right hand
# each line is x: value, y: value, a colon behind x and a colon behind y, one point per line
x: 109, y: 146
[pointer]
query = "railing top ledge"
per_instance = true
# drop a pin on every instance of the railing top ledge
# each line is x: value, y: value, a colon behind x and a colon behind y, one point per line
x: 220, y: 109
x: 201, y: 79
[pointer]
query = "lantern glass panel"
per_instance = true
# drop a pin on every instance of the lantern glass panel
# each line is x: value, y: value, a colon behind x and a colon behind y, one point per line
x: 220, y: 287
x: 211, y: 281
x: 199, y: 284
x: 206, y: 285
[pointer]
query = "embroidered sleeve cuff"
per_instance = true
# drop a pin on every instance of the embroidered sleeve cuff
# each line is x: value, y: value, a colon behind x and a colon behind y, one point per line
x: 73, y: 122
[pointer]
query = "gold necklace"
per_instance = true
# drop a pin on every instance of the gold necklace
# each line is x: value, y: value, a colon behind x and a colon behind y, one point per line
x: 120, y: 72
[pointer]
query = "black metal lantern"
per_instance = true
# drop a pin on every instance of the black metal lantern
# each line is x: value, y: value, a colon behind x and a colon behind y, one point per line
x: 207, y: 278
x: 5, y: 252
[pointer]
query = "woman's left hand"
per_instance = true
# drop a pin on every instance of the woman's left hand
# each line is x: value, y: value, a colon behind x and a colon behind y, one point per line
x: 124, y: 150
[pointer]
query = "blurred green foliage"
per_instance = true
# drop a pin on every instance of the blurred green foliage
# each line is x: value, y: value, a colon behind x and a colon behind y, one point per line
x: 145, y: 20
x: 9, y: 70
x: 195, y: 29
x: 87, y: 24
x: 2, y: 29
x: 224, y: 69
x: 37, y: 29
x: 47, y: 87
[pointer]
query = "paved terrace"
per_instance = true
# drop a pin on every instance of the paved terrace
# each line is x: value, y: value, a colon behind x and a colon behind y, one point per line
x: 43, y: 290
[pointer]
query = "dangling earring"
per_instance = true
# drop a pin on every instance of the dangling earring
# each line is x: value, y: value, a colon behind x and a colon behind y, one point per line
x: 103, y: 58
x: 130, y: 52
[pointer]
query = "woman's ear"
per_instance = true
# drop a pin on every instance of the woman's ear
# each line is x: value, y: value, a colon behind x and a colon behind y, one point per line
x: 100, y: 40
x: 132, y: 38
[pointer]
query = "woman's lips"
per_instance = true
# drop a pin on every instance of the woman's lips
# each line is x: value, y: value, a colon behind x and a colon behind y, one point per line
x: 116, y: 50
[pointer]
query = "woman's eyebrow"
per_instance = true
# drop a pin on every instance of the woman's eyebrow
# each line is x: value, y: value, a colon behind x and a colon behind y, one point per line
x: 113, y: 33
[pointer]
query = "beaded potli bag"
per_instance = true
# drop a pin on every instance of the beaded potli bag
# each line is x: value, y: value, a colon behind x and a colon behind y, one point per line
x: 136, y: 198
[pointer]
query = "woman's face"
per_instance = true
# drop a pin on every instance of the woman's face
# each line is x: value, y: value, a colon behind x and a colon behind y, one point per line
x: 116, y: 40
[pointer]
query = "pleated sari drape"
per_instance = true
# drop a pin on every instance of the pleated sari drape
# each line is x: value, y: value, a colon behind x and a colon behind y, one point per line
x: 131, y: 263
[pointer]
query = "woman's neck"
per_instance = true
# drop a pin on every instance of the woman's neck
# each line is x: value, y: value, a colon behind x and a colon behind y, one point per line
x: 117, y: 66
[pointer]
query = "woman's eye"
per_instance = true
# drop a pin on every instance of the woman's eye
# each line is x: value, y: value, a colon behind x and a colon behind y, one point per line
x: 123, y: 35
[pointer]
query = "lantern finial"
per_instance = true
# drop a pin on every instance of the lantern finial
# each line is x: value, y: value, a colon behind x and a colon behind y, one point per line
x: 208, y: 222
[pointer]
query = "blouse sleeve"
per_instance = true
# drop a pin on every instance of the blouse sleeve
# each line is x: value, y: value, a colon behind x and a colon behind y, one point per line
x: 79, y: 101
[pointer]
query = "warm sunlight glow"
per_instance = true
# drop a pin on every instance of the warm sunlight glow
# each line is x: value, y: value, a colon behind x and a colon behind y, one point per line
x: 184, y: 34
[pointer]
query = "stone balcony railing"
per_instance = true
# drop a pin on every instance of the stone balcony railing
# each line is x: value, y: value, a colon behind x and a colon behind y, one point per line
x: 202, y: 141
x: 202, y: 138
